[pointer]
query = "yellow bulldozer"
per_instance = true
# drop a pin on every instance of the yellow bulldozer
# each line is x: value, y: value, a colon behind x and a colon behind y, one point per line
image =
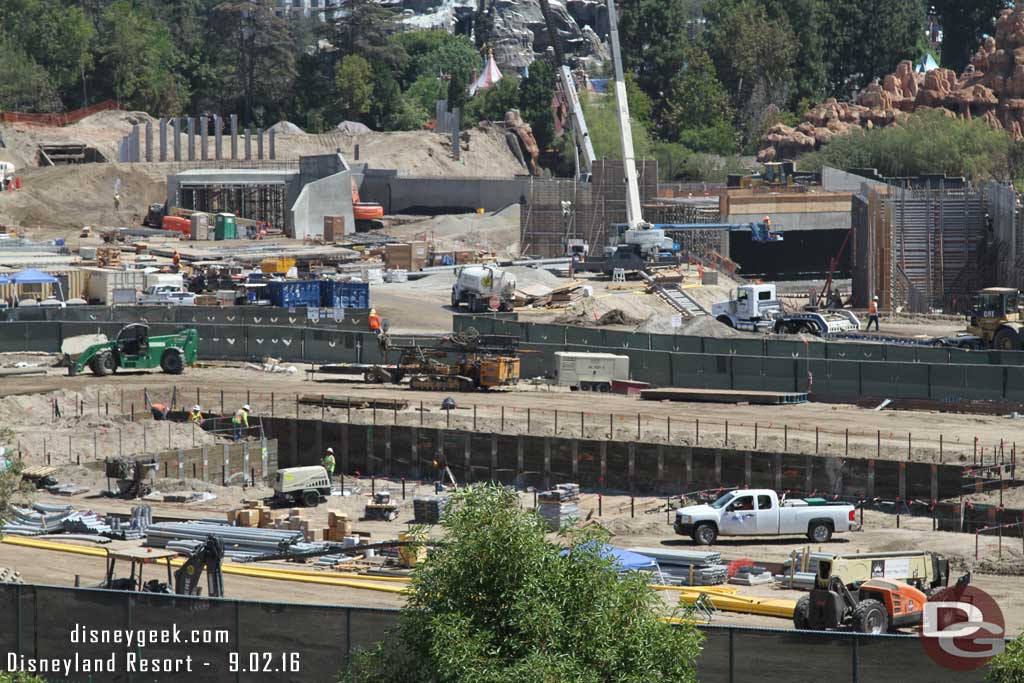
x: 996, y: 320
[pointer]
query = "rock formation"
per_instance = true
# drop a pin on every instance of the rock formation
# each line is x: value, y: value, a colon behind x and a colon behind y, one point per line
x: 990, y: 88
x: 521, y: 141
x: 519, y: 33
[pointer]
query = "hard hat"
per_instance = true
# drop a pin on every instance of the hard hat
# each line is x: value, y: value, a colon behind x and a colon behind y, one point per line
x: 196, y: 408
x: 373, y: 311
x: 875, y: 298
x: 330, y: 450
x: 246, y: 407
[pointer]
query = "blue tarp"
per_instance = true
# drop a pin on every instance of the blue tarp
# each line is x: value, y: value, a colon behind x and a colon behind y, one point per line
x: 624, y: 560
x: 32, y: 277
x: 4, y: 280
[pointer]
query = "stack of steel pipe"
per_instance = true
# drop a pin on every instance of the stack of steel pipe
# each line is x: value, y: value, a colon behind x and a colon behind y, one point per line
x: 689, y: 567
x: 37, y: 520
x: 239, y: 542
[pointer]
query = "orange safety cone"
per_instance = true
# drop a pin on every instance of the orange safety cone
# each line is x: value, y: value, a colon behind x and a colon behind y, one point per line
x: 17, y: 182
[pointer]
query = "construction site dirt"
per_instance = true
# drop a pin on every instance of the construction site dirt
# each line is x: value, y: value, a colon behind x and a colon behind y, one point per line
x: 646, y: 529
x: 813, y: 428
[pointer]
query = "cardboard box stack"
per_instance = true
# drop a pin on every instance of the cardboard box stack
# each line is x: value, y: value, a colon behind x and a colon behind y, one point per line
x: 338, y: 527
x: 254, y: 514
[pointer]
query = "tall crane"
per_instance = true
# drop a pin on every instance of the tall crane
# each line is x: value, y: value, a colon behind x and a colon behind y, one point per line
x: 634, y: 213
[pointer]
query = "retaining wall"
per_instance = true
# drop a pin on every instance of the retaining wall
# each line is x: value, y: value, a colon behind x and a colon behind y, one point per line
x: 637, y: 467
x: 767, y: 346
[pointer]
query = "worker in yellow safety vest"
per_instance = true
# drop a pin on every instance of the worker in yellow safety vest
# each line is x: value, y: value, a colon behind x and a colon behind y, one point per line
x: 196, y: 415
x: 240, y: 421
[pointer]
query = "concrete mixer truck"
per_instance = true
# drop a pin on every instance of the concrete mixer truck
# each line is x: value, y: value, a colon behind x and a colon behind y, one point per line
x: 483, y: 288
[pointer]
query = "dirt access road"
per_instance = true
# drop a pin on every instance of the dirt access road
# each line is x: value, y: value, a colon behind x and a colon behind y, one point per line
x: 532, y: 409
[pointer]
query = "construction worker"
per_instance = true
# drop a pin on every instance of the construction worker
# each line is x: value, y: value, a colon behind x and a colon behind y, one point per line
x: 328, y: 463
x: 873, y: 314
x: 240, y: 421
x: 176, y: 261
x: 196, y: 415
x: 374, y: 321
x: 159, y: 411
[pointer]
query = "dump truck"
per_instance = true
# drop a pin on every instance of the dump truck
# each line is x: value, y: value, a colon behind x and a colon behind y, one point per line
x: 482, y: 288
x: 134, y: 349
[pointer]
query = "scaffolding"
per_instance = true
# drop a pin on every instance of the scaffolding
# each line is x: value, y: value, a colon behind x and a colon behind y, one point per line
x: 261, y: 202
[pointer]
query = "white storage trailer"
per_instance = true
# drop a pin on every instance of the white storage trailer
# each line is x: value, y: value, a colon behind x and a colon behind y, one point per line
x: 589, y: 371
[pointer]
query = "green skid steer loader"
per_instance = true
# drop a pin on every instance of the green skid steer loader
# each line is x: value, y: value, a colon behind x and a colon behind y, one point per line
x: 134, y: 349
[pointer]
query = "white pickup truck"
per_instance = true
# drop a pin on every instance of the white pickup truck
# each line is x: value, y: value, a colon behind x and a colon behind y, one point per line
x: 759, y: 512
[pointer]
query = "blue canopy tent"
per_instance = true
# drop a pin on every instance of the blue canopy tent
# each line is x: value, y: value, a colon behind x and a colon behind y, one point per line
x: 30, y: 276
x: 4, y: 280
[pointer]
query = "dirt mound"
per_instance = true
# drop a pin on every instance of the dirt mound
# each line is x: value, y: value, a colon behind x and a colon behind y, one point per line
x: 484, y: 151
x: 114, y: 117
x: 286, y: 128
x: 68, y: 197
x: 353, y: 128
x: 497, y: 232
x: 617, y: 316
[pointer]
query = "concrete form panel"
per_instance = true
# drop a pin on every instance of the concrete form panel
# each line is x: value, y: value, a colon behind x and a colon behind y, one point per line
x: 785, y: 374
x: 887, y: 479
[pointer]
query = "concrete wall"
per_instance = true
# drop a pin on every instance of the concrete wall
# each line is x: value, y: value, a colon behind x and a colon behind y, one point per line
x: 330, y: 196
x: 642, y: 468
x: 440, y: 195
x: 219, y: 463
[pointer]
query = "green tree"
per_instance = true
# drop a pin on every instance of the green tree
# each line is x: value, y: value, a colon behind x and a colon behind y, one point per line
x: 696, y: 110
x: 457, y: 92
x: 499, y: 602
x: 491, y: 104
x: 56, y: 35
x: 654, y: 34
x: 139, y: 60
x: 436, y: 53
x: 20, y: 678
x: 353, y: 79
x: 963, y: 25
x: 754, y: 55
x: 25, y: 86
x: 255, y: 62
x: 927, y: 142
x: 868, y: 38
x: 536, y: 93
x: 603, y: 125
x: 365, y: 29
x: 1007, y: 667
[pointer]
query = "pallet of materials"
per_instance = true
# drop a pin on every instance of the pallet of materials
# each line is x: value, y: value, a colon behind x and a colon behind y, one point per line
x: 559, y: 506
x: 429, y: 509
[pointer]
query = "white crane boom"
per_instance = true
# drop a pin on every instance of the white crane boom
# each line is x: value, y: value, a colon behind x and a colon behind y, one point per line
x: 584, y: 148
x: 634, y: 214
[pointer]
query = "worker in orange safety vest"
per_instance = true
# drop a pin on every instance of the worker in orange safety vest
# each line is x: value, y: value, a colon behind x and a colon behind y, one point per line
x: 374, y: 321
